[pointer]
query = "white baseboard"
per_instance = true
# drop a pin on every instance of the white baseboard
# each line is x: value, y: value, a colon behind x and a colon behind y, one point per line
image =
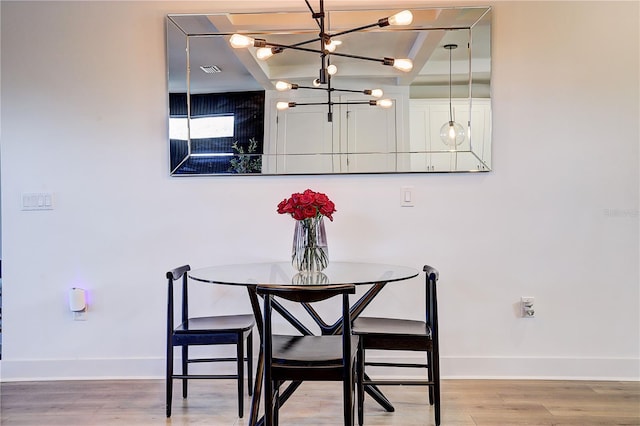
x: 82, y: 369
x: 535, y: 368
x: 553, y: 368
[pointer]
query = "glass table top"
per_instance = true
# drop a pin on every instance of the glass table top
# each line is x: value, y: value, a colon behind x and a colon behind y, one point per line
x: 282, y: 273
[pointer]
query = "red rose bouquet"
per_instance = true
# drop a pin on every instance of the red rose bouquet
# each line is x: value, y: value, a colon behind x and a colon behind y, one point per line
x: 310, y: 252
x: 307, y: 205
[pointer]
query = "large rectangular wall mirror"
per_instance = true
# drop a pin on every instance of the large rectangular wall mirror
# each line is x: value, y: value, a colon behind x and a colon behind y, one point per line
x: 227, y: 116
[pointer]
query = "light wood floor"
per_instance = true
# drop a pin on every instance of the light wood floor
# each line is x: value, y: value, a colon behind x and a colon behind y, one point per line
x: 465, y: 402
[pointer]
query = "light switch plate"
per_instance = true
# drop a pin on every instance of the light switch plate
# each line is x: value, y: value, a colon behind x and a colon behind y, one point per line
x: 37, y: 201
x: 407, y: 196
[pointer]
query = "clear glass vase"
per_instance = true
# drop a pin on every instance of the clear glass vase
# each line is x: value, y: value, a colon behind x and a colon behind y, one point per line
x: 310, y: 252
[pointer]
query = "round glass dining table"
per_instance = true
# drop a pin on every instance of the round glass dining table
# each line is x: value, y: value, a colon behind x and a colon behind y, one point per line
x: 250, y: 275
x: 282, y: 273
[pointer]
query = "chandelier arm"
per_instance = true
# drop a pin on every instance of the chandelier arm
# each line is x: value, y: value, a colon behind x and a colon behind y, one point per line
x: 366, y: 58
x: 348, y: 90
x: 334, y: 103
x: 313, y: 12
x: 314, y: 103
x: 345, y: 90
x: 353, y: 30
x: 294, y: 47
x: 313, y: 40
x: 304, y: 49
x: 315, y: 88
x: 353, y: 103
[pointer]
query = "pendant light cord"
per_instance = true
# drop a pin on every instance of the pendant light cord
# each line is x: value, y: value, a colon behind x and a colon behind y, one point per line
x: 450, y: 47
x: 450, y: 83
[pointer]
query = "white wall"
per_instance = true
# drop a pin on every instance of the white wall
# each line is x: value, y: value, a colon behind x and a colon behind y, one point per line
x: 84, y: 116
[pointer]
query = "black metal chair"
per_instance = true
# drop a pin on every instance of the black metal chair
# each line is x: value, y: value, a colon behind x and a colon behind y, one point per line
x: 213, y: 330
x: 300, y: 358
x: 403, y: 335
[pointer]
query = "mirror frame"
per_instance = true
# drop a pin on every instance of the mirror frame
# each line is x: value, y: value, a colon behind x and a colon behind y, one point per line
x: 248, y: 158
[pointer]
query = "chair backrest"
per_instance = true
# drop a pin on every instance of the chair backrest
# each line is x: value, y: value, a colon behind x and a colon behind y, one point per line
x: 431, y: 277
x: 172, y: 276
x: 308, y: 294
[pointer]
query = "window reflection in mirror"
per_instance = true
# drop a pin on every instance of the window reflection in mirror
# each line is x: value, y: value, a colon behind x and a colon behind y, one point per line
x: 216, y: 133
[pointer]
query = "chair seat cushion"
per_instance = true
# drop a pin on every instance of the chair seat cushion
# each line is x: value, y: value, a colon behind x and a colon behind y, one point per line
x: 390, y: 326
x: 310, y: 350
x: 230, y: 323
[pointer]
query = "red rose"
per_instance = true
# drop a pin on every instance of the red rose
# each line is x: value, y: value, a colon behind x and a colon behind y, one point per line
x: 297, y: 214
x: 328, y: 209
x: 306, y: 198
x: 281, y: 206
x: 309, y: 211
x: 321, y: 199
x: 306, y: 205
x: 285, y: 206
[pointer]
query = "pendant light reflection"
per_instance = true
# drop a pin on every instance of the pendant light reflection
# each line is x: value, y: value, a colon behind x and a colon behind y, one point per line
x: 451, y: 132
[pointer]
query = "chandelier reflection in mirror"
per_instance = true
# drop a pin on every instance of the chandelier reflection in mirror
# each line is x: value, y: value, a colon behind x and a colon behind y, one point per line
x: 328, y: 46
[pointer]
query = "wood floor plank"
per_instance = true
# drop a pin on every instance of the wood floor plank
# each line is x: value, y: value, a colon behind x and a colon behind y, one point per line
x: 464, y: 403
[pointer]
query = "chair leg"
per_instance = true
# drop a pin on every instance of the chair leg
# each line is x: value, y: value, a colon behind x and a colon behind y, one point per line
x: 436, y: 385
x: 185, y: 369
x: 354, y: 398
x: 276, y: 404
x: 348, y: 397
x: 360, y: 386
x: 268, y: 402
x: 352, y: 394
x: 240, y: 363
x: 430, y: 375
x: 250, y: 363
x: 169, y: 379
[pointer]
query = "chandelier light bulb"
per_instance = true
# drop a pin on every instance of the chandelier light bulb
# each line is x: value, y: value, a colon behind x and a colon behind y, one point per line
x: 401, y: 18
x: 264, y: 53
x: 239, y: 41
x: 280, y: 106
x: 376, y: 93
x: 404, y: 65
x: 331, y: 46
x: 282, y: 86
x: 384, y: 103
x: 332, y: 69
x: 316, y: 82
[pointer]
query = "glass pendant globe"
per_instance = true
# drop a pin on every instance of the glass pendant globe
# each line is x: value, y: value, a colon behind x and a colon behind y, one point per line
x: 452, y: 133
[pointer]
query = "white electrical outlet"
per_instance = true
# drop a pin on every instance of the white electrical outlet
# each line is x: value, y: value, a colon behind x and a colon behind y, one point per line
x: 527, y: 306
